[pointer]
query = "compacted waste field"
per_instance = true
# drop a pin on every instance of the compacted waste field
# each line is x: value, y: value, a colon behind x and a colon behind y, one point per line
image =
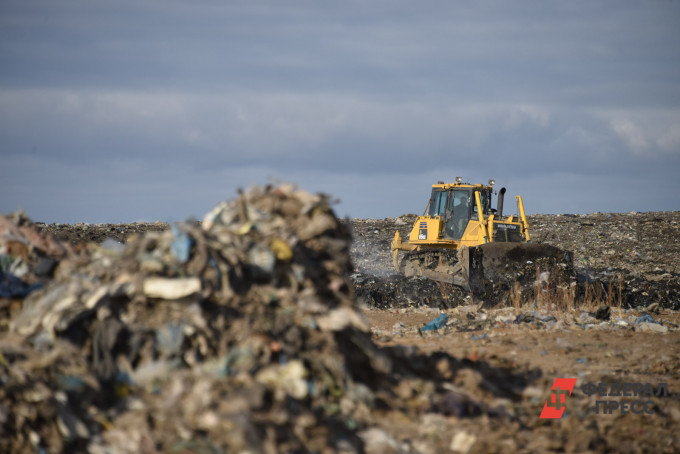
x: 272, y: 326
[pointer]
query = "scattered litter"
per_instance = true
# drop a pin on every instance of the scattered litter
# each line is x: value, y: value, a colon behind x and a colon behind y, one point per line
x: 534, y: 317
x: 645, y: 318
x: 651, y: 327
x: 603, y: 313
x: 13, y: 287
x: 437, y: 323
x: 181, y: 244
x: 462, y: 442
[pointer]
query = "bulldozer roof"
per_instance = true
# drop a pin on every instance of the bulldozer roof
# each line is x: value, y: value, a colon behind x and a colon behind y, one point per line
x: 441, y: 185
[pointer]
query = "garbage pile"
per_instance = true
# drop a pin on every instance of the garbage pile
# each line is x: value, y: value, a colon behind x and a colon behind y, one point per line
x: 239, y: 334
x: 400, y: 291
x: 26, y: 254
x: 634, y: 252
x: 28, y: 259
x: 627, y: 257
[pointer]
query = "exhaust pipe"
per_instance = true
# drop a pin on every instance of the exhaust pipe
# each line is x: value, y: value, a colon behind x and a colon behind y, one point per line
x: 501, y: 196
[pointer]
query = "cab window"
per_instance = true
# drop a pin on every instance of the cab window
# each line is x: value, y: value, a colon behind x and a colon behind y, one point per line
x: 438, y: 205
x: 486, y: 203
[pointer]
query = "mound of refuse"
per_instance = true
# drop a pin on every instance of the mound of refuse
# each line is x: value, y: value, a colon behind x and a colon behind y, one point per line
x: 237, y: 334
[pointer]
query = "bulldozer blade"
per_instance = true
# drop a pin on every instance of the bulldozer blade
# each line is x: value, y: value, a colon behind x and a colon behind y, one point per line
x: 488, y: 270
x: 458, y: 279
x: 494, y: 263
x: 451, y: 266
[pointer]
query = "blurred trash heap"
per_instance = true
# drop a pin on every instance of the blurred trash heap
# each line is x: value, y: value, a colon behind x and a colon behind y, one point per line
x: 239, y: 333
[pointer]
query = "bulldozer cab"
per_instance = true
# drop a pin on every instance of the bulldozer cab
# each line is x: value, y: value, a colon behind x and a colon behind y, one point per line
x: 456, y: 207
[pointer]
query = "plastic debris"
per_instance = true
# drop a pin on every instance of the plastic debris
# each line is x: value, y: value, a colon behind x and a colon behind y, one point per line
x: 13, y: 287
x: 171, y: 288
x: 437, y: 323
x: 651, y: 327
x: 645, y: 318
x: 462, y: 442
x: 181, y: 244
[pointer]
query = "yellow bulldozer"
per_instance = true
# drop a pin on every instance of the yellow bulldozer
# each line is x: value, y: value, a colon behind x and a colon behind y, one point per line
x: 461, y: 240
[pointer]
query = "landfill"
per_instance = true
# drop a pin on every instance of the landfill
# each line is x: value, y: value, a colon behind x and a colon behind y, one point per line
x: 632, y: 256
x: 273, y: 326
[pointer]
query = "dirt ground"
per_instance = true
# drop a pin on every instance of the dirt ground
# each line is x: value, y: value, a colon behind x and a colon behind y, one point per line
x: 597, y: 354
x: 632, y: 258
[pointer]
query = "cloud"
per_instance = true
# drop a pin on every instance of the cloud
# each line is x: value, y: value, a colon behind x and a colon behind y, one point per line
x: 631, y: 134
x: 669, y: 139
x: 131, y: 108
x: 320, y: 131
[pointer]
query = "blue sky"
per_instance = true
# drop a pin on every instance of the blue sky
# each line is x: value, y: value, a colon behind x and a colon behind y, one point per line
x: 156, y: 110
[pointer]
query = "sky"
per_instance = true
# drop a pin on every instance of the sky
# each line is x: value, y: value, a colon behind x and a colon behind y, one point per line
x: 144, y: 110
